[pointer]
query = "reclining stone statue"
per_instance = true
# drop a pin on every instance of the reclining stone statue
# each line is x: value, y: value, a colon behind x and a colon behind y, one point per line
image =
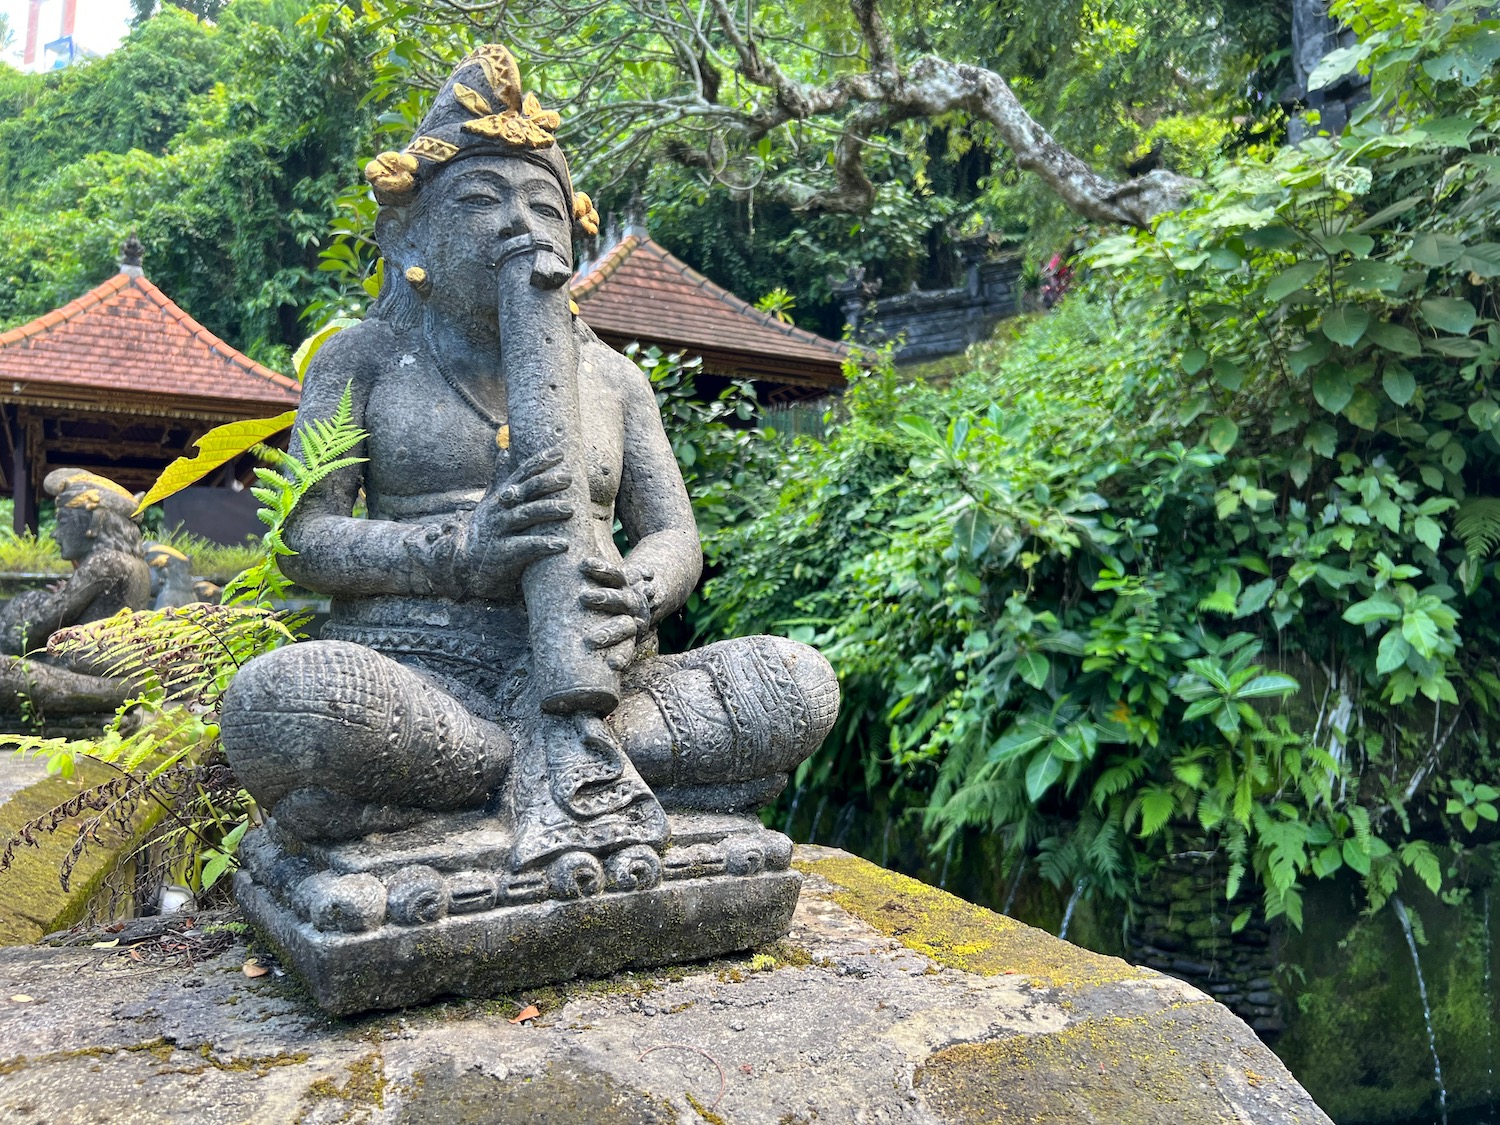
x: 97, y: 533
x: 485, y: 775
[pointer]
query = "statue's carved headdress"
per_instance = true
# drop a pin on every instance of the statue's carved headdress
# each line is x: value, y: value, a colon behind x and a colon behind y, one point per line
x: 79, y: 488
x: 111, y: 507
x: 480, y: 110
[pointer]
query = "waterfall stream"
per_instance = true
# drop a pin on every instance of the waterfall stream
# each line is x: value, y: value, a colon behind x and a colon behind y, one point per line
x: 792, y: 812
x: 1416, y: 962
x: 1078, y: 889
x: 1489, y: 1000
x: 842, y: 825
x: 812, y: 833
x: 1015, y: 885
x: 947, y: 859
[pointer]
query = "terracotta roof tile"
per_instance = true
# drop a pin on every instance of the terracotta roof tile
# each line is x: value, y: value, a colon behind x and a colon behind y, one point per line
x: 641, y: 291
x: 127, y: 337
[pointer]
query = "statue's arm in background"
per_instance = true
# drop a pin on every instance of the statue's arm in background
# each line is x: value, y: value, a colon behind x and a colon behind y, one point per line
x: 336, y: 553
x: 665, y: 555
x: 30, y: 618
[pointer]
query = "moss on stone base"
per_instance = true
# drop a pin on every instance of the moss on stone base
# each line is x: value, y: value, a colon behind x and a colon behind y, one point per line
x: 32, y: 902
x: 959, y: 934
x: 1172, y: 1067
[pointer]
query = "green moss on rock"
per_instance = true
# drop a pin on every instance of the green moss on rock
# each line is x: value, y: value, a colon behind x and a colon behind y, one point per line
x: 1171, y: 1067
x: 32, y: 902
x: 959, y: 934
x: 1356, y: 1037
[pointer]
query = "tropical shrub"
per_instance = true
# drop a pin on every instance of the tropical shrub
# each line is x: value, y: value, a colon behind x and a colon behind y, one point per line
x: 1200, y: 561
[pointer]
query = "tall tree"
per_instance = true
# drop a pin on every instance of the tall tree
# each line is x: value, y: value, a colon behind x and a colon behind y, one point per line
x: 715, y: 86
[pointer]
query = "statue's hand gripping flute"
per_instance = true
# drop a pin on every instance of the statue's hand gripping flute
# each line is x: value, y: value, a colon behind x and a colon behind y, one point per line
x: 539, y: 362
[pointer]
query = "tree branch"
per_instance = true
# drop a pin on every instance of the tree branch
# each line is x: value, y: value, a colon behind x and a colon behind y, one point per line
x: 727, y: 76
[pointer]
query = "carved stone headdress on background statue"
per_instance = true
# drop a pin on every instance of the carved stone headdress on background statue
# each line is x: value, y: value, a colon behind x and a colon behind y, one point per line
x: 480, y: 111
x: 113, y: 525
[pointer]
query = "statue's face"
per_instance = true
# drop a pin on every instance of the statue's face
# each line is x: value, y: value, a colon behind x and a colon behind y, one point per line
x: 479, y: 204
x: 72, y: 534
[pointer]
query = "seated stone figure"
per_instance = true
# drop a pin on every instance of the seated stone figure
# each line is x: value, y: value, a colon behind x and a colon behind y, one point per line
x: 97, y: 534
x: 488, y: 560
x: 171, y: 577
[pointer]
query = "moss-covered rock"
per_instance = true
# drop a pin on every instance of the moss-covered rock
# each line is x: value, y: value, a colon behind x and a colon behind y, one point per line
x: 32, y: 900
x: 888, y: 1001
x: 1356, y: 1036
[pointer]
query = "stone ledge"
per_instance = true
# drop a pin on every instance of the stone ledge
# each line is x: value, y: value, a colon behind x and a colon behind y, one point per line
x: 888, y: 1002
x: 32, y: 902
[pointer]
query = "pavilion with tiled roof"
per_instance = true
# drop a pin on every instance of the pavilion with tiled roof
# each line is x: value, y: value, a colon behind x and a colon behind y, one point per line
x: 120, y: 381
x: 638, y: 291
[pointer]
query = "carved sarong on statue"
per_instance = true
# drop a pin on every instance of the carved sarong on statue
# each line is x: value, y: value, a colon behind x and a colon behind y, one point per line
x: 97, y: 533
x: 485, y: 775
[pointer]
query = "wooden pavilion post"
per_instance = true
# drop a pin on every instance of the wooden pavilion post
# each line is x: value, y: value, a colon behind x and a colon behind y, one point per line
x: 22, y: 492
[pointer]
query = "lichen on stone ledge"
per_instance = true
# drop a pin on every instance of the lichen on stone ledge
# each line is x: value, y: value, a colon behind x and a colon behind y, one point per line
x: 959, y: 934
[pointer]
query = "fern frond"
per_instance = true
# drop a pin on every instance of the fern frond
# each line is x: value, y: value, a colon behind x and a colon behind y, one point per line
x: 1477, y: 526
x: 326, y: 445
x: 182, y: 653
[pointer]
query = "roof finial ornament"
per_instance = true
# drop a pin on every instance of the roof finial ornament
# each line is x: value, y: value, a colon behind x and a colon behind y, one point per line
x: 130, y: 256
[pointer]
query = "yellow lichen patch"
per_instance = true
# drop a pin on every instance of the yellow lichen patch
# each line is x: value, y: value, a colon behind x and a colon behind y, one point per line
x: 1132, y: 1071
x: 959, y: 934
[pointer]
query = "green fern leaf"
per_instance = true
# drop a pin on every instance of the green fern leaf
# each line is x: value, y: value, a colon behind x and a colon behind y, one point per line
x: 1477, y: 526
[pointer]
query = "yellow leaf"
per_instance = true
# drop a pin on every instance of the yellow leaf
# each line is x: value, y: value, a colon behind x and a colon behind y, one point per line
x: 309, y: 347
x: 21, y: 998
x: 219, y: 446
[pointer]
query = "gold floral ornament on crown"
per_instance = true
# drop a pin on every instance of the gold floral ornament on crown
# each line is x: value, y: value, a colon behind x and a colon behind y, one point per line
x: 499, y: 112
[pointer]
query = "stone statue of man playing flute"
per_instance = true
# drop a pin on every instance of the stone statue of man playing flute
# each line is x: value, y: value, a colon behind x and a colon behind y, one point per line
x: 485, y: 770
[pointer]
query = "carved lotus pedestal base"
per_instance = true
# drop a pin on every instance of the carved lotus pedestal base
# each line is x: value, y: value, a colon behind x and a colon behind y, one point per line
x: 403, y: 918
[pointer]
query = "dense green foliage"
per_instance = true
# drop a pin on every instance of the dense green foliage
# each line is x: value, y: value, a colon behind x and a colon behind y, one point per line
x: 1178, y: 568
x: 234, y: 148
x: 1174, y: 84
x: 222, y: 147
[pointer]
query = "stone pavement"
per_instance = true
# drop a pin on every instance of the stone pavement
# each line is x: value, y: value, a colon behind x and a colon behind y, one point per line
x: 18, y: 773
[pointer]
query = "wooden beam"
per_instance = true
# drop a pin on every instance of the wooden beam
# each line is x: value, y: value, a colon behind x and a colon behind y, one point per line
x: 61, y: 446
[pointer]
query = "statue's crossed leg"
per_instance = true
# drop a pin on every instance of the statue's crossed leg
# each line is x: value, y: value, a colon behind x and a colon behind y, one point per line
x: 339, y: 741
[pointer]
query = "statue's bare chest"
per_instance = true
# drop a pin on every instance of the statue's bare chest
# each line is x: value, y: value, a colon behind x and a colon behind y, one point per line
x: 431, y: 439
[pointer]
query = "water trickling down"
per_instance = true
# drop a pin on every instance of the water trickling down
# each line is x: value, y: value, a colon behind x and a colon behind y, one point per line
x: 812, y: 833
x: 1489, y: 997
x: 1078, y: 889
x: 947, y: 859
x: 792, y: 812
x: 885, y: 844
x: 1437, y: 1066
x: 842, y: 825
x: 1015, y: 885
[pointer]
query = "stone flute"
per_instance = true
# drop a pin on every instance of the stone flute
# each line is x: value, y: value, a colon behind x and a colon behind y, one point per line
x: 539, y: 365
